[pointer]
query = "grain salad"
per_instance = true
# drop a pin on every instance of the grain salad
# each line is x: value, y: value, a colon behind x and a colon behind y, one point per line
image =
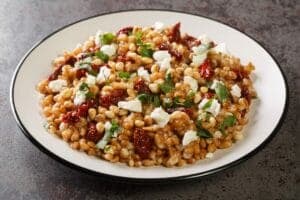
x: 148, y: 96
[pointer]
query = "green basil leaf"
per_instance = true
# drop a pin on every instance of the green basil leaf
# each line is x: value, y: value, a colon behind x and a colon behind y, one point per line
x: 222, y: 92
x: 114, y: 127
x: 146, y: 52
x: 124, y: 75
x: 144, y: 98
x: 156, y: 101
x: 229, y: 121
x: 107, y: 38
x: 84, y: 87
x: 102, y: 56
x: 204, y: 133
x: 207, y: 104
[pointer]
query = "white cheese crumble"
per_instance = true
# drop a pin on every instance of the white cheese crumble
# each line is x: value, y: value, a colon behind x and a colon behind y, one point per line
x: 235, y: 90
x: 97, y: 37
x: 103, y: 74
x: 143, y: 73
x: 107, y: 135
x: 221, y: 48
x: 133, y: 105
x: 109, y: 50
x: 79, y: 97
x: 193, y: 83
x: 204, y: 39
x: 189, y: 137
x: 90, y: 80
x: 83, y: 64
x: 158, y: 26
x: 198, y: 59
x: 215, y: 83
x: 57, y: 85
x: 209, y: 155
x: 160, y: 117
x: 217, y: 134
x: 214, y: 108
x: 163, y: 59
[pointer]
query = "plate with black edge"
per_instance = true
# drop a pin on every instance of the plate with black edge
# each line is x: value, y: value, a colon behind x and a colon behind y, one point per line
x: 265, y: 118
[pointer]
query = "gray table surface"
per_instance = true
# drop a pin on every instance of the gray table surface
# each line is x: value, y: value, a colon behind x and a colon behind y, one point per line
x: 27, y: 173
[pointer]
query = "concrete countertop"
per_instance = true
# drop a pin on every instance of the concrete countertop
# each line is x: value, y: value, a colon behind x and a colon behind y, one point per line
x: 27, y: 173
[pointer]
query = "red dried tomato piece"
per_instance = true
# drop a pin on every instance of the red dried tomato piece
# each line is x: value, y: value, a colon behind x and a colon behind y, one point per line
x: 70, y: 117
x: 92, y: 133
x: 164, y: 46
x: 246, y: 94
x: 176, y: 54
x: 82, y: 110
x: 125, y: 30
x: 113, y: 98
x: 71, y: 61
x: 208, y: 95
x: 80, y: 73
x: 241, y: 74
x: 175, y: 35
x: 142, y: 143
x: 206, y: 70
x: 190, y: 41
x: 55, y: 74
x: 141, y: 86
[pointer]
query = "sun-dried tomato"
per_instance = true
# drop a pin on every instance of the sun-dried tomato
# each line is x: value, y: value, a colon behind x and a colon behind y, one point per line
x: 190, y: 41
x: 142, y: 143
x: 208, y: 95
x: 141, y: 86
x: 70, y: 117
x: 246, y: 93
x: 92, y: 133
x: 55, y: 74
x: 164, y: 46
x: 175, y: 53
x: 175, y: 35
x: 113, y: 98
x: 71, y: 61
x: 125, y: 30
x: 206, y: 70
x: 241, y: 74
x: 80, y: 73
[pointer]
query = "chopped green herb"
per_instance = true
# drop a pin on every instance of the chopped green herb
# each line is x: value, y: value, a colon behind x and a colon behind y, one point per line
x: 189, y: 102
x: 107, y: 148
x: 222, y: 92
x: 207, y: 104
x: 201, y: 132
x: 84, y: 87
x: 107, y: 38
x: 102, y: 56
x: 167, y: 103
x: 145, y: 49
x: 138, y: 38
x: 168, y: 85
x: 90, y: 95
x: 92, y: 72
x: 228, y: 122
x: 114, y: 128
x: 149, y: 99
x: 84, y: 63
x: 124, y: 75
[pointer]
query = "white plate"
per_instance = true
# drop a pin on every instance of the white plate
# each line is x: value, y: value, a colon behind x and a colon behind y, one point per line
x: 268, y: 110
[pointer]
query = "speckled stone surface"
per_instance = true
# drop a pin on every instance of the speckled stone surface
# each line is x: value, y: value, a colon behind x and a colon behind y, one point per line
x: 27, y: 173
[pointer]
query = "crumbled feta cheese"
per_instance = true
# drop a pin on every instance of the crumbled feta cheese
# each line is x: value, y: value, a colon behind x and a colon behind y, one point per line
x: 193, y: 83
x: 79, y: 97
x: 198, y: 59
x: 160, y: 116
x: 215, y: 83
x: 204, y: 39
x: 163, y: 59
x: 209, y: 155
x: 189, y: 137
x: 158, y: 26
x: 221, y: 48
x: 109, y: 50
x: 133, y: 105
x: 202, y: 48
x: 214, y: 108
x: 84, y: 64
x: 107, y: 135
x: 217, y: 134
x: 143, y: 73
x: 57, y: 85
x: 97, y: 37
x: 235, y: 90
x: 103, y: 74
x: 90, y: 80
